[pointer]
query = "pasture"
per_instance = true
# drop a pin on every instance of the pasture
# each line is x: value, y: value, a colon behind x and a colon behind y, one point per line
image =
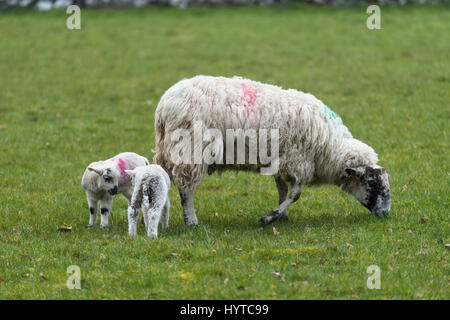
x: 68, y: 98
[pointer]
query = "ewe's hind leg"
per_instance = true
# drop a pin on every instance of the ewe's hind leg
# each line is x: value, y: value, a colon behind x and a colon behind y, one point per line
x: 93, y: 207
x: 187, y: 202
x: 282, y: 193
x: 165, y: 214
x: 296, y: 190
x: 105, y: 209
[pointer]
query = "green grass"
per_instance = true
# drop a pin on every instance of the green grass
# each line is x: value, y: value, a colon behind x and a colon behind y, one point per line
x: 71, y: 97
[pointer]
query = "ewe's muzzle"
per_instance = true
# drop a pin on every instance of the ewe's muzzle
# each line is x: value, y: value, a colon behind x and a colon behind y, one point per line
x: 383, y: 206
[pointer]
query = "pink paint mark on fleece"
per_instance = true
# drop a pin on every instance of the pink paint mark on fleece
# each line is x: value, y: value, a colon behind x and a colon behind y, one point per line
x: 249, y: 96
x: 122, y: 168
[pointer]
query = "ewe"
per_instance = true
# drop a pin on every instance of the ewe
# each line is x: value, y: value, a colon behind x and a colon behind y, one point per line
x: 314, y: 146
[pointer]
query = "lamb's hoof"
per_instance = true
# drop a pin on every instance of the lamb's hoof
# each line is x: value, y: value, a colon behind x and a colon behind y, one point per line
x: 104, y: 227
x: 90, y: 226
x: 284, y: 218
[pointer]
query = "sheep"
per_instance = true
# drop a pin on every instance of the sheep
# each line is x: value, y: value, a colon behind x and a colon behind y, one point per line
x: 151, y: 192
x: 102, y: 180
x: 314, y: 146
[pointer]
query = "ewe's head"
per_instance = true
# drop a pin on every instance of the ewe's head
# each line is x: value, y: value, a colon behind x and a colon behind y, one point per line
x: 108, y: 178
x: 370, y: 185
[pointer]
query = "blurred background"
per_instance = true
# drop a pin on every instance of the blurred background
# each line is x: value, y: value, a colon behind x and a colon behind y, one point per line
x: 51, y: 4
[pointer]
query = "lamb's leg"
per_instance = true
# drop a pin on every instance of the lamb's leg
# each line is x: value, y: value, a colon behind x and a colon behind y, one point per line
x: 128, y: 194
x: 153, y: 214
x: 282, y: 193
x: 105, y: 210
x: 133, y: 213
x: 93, y: 207
x: 296, y: 190
x: 144, y: 220
x: 165, y: 214
x: 187, y: 202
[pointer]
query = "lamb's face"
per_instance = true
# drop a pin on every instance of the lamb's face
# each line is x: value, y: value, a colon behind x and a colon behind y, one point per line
x: 108, y: 179
x: 370, y: 185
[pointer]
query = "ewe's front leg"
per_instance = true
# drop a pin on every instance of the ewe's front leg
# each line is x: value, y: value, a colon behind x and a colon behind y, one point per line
x: 296, y: 190
x: 187, y: 202
x: 93, y: 207
x: 282, y: 194
x: 105, y: 210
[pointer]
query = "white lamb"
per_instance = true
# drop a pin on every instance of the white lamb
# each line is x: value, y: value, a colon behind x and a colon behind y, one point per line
x: 151, y: 192
x: 102, y: 180
x: 314, y: 145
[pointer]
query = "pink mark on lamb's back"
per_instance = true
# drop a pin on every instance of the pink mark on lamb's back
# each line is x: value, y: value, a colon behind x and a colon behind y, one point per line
x: 122, y: 168
x: 249, y: 96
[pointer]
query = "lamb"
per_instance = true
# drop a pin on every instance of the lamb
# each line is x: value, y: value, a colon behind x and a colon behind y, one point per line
x: 102, y: 180
x: 151, y: 192
x: 314, y: 146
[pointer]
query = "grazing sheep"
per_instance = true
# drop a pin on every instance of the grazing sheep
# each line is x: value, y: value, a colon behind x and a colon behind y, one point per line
x: 102, y: 180
x: 314, y: 146
x: 151, y: 192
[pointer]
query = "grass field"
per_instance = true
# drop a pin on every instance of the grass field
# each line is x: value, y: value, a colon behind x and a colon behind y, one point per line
x: 71, y: 97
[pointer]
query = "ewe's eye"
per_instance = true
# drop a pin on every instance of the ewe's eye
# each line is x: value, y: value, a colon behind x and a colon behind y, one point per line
x: 107, y: 179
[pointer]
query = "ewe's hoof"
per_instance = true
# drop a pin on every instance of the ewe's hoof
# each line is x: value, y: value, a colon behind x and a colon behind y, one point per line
x: 284, y: 218
x: 191, y: 222
x: 263, y: 221
x: 192, y: 225
x: 90, y: 226
x: 104, y: 227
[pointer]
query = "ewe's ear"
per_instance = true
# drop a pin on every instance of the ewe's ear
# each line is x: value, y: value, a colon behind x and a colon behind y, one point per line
x: 97, y: 171
x: 131, y: 173
x: 357, y: 172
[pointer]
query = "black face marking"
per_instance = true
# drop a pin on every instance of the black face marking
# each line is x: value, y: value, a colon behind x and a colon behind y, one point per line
x: 374, y: 187
x: 113, y: 191
x: 107, y: 176
x: 91, y: 210
x: 104, y: 211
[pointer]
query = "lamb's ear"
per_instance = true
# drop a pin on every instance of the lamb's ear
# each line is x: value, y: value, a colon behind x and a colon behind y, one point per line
x: 97, y: 171
x: 354, y: 172
x: 131, y: 173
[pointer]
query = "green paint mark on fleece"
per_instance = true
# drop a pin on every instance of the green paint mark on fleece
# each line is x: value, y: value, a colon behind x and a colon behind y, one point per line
x: 335, y: 122
x: 330, y: 112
